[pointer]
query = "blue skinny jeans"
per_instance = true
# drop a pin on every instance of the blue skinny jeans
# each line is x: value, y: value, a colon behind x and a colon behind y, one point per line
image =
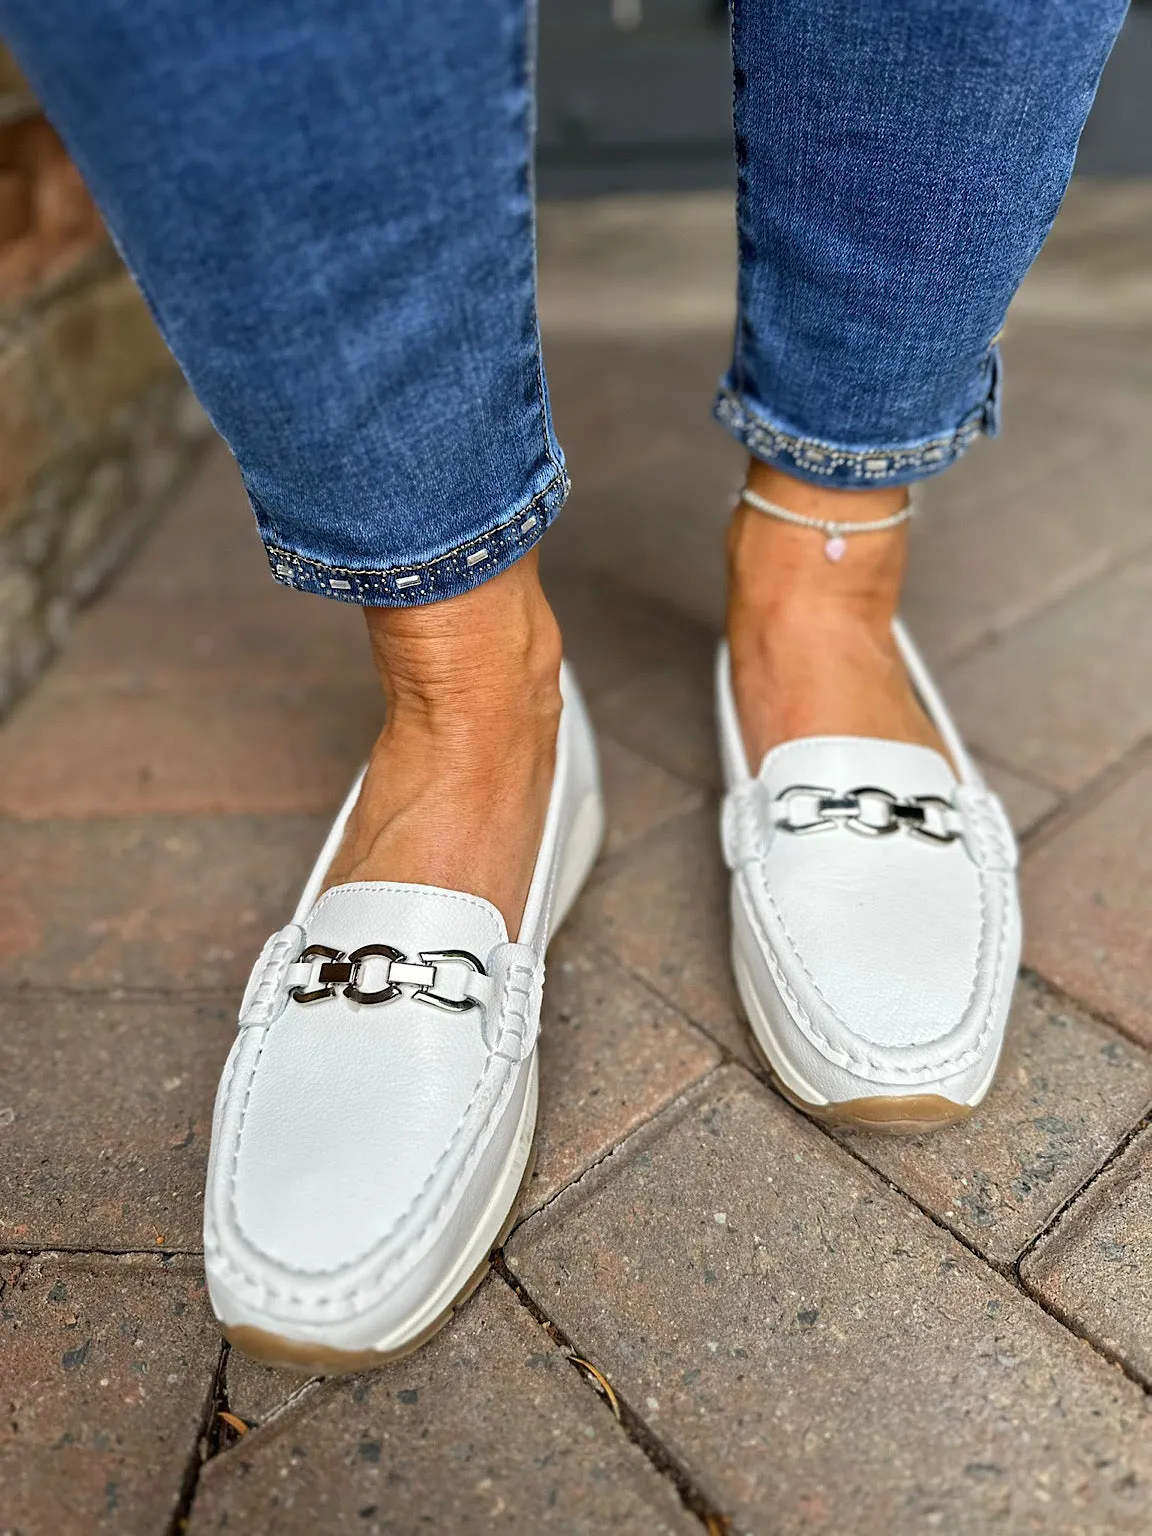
x: 329, y: 207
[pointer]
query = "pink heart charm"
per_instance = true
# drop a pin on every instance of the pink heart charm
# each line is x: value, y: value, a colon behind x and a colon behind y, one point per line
x: 835, y: 547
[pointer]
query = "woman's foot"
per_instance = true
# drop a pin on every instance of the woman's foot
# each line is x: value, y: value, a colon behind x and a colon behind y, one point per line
x: 458, y: 782
x: 375, y: 1121
x: 811, y: 640
x: 875, y: 961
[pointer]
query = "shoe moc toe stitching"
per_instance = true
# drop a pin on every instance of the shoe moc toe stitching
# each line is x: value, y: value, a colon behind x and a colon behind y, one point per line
x: 352, y: 1136
x: 882, y: 998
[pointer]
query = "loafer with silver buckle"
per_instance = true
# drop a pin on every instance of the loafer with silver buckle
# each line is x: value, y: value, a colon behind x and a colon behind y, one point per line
x: 375, y: 1120
x: 875, y: 917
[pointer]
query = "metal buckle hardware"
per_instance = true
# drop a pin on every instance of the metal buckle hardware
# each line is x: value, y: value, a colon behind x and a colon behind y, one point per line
x: 339, y: 970
x: 866, y: 810
x: 425, y: 994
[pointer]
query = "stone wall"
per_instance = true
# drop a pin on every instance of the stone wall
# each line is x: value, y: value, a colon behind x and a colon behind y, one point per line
x: 97, y: 428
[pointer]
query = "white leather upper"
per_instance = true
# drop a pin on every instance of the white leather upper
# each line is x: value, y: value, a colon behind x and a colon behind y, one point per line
x: 879, y: 965
x: 343, y: 1177
x: 357, y: 1146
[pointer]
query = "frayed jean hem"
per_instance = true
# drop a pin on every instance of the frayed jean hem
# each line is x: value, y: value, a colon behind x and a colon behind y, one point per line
x: 456, y: 571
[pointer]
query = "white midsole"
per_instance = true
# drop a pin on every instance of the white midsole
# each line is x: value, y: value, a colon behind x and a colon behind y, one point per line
x: 580, y: 854
x: 769, y: 1043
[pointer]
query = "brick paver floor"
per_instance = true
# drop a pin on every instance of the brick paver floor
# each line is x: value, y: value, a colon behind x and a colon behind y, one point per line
x: 713, y: 1315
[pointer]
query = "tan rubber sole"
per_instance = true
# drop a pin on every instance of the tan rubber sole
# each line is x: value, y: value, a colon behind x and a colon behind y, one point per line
x: 908, y: 1115
x: 322, y: 1360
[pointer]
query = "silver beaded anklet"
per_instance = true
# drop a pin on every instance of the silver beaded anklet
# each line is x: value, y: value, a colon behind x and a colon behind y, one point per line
x: 835, y: 534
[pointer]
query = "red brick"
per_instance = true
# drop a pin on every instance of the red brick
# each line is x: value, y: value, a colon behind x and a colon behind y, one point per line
x: 610, y: 634
x: 486, y: 1428
x: 1006, y: 532
x: 1061, y: 697
x: 639, y: 795
x: 1067, y: 1092
x: 1095, y: 1267
x: 611, y: 1056
x: 196, y: 751
x: 258, y: 1393
x: 111, y: 1109
x: 108, y: 1365
x: 816, y: 1353
x: 662, y: 912
x: 179, y: 640
x: 164, y: 904
x: 1088, y: 903
x: 1025, y: 802
x: 667, y: 714
x: 653, y: 476
x: 207, y: 543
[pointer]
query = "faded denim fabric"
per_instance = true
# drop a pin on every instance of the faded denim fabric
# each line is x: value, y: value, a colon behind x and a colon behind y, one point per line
x: 329, y: 206
x: 899, y: 165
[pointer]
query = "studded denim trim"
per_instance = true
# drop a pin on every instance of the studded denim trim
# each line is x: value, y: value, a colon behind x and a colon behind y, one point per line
x: 813, y: 459
x: 429, y: 581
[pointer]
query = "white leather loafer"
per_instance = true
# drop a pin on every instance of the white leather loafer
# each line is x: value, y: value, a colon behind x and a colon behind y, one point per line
x: 875, y: 917
x: 375, y: 1120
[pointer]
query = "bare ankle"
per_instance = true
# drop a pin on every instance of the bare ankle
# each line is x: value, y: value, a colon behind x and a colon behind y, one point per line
x: 811, y: 641
x: 778, y: 572
x: 485, y: 659
x: 457, y: 786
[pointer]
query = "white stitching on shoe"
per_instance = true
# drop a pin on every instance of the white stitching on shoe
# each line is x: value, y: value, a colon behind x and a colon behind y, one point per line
x: 268, y: 982
x: 363, y: 887
x: 864, y: 1064
x: 516, y: 1004
x: 984, y: 813
x: 371, y: 1283
x: 746, y: 830
x: 233, y: 1210
x: 358, y: 1258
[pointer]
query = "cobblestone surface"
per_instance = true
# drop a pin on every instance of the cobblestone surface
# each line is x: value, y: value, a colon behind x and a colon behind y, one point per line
x: 108, y: 1363
x: 1055, y: 697
x: 489, y: 1428
x: 817, y: 1353
x: 611, y: 1055
x: 1067, y: 1092
x: 1095, y: 1268
x: 678, y: 945
x: 806, y: 1334
x: 112, y: 902
x: 1087, y: 893
x: 107, y: 1106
